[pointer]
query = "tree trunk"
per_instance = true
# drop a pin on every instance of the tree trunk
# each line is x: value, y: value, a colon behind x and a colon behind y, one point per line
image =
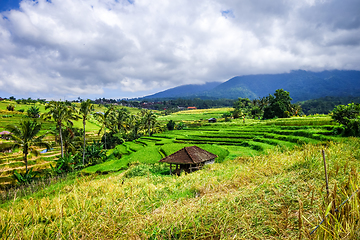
x: 25, y: 160
x: 61, y: 141
x: 84, y: 142
x: 105, y: 136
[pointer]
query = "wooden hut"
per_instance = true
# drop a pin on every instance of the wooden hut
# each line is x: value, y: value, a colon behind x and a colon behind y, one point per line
x: 189, y: 159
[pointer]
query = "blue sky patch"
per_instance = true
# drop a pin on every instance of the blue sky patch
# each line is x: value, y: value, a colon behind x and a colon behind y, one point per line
x: 228, y: 14
x: 7, y: 5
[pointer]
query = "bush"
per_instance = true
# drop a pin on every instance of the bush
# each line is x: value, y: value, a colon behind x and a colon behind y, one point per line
x: 349, y: 117
x: 226, y: 115
x: 10, y: 107
x: 64, y: 164
x: 170, y: 125
x: 180, y: 126
x: 25, y: 178
x: 94, y: 154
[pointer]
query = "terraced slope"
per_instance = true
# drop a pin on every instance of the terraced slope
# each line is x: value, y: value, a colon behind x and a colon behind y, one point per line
x: 227, y: 140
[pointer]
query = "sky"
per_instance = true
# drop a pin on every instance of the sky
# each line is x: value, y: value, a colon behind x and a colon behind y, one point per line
x: 65, y: 49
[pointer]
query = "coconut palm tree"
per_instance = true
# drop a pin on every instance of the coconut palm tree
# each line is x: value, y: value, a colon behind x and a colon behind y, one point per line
x: 60, y: 112
x: 134, y: 124
x: 86, y: 108
x: 33, y: 112
x: 149, y: 120
x: 105, y: 120
x: 25, y: 137
x: 120, y: 119
x: 71, y: 139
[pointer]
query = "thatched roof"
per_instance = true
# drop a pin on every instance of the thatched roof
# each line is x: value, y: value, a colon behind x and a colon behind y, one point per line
x: 189, y: 155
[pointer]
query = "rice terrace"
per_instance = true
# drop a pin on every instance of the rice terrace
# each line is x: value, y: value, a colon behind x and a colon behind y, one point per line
x: 267, y: 182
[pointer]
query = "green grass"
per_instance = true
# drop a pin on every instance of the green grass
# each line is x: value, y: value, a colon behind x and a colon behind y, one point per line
x: 266, y: 172
x: 109, y: 166
x: 255, y: 197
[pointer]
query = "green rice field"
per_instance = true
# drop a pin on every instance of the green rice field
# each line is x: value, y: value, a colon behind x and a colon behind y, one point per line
x: 228, y: 140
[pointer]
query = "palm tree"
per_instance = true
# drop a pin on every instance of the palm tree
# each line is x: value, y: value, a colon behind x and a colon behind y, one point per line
x: 25, y: 137
x: 134, y: 125
x: 120, y: 118
x: 33, y: 112
x: 255, y: 102
x: 149, y: 119
x: 86, y: 108
x: 71, y: 139
x: 104, y: 119
x: 60, y: 112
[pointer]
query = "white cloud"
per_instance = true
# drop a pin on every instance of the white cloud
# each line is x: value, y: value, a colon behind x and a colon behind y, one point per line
x: 76, y: 47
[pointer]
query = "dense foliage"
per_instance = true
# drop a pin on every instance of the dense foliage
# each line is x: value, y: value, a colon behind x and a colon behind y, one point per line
x: 172, y: 105
x: 279, y: 106
x: 326, y: 104
x: 25, y: 136
x: 33, y: 112
x: 349, y: 117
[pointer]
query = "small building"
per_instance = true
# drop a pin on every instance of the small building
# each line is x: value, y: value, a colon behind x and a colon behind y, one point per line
x: 189, y: 159
x: 191, y: 108
x: 212, y: 120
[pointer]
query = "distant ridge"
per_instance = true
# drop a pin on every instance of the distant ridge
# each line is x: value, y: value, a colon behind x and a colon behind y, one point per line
x: 184, y: 91
x: 302, y: 85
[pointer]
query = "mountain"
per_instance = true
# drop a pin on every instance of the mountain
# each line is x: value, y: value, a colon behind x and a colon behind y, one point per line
x: 302, y: 85
x: 184, y: 91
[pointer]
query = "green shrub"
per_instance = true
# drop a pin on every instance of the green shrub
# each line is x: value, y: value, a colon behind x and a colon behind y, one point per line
x: 170, y: 125
x: 25, y: 178
x: 349, y: 117
x: 64, y: 164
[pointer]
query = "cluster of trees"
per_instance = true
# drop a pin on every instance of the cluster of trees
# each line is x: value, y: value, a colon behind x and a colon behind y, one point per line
x: 30, y: 101
x: 171, y: 105
x: 117, y: 126
x: 349, y: 118
x: 26, y: 101
x: 267, y: 107
x: 125, y: 126
x: 326, y: 104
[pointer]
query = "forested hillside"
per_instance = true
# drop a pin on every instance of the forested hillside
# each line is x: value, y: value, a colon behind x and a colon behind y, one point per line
x: 326, y: 104
x: 303, y: 85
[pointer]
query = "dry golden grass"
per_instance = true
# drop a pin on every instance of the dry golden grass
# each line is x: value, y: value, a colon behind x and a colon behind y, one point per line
x: 274, y: 196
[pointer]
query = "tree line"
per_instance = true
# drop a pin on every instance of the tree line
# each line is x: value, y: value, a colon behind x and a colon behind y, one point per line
x: 272, y: 106
x: 117, y: 125
x: 326, y: 104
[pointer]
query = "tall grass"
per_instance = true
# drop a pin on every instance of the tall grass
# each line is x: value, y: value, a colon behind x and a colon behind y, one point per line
x: 274, y: 196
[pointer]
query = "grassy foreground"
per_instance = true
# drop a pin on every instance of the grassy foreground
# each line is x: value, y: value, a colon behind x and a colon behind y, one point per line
x: 272, y: 196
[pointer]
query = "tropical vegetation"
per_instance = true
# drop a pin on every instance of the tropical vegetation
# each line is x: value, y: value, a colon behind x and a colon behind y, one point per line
x: 101, y: 171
